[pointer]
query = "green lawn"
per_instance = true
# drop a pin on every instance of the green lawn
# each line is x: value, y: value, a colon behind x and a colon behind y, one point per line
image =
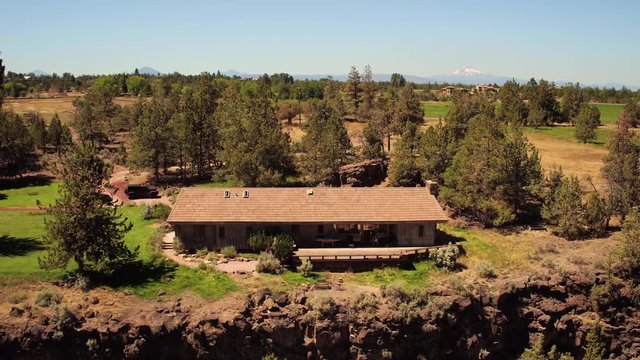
x: 436, y: 109
x: 568, y: 133
x: 609, y: 113
x: 20, y: 246
x: 27, y: 196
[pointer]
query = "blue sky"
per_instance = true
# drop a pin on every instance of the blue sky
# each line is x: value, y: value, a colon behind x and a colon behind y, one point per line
x: 587, y: 41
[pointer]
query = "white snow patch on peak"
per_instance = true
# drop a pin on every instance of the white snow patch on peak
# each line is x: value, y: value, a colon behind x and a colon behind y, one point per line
x: 467, y: 71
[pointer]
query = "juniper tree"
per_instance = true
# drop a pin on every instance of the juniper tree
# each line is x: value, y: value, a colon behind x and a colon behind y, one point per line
x: 325, y: 144
x: 59, y: 134
x: 16, y: 146
x: 403, y: 168
x: 80, y: 225
x: 586, y: 122
x: 622, y: 170
x: 493, y: 175
x: 407, y: 109
x: 151, y: 138
x: 543, y: 106
x: 631, y: 113
x: 255, y: 151
x: 373, y: 135
x: 629, y: 254
x: 513, y: 108
x: 573, y: 100
x: 368, y: 94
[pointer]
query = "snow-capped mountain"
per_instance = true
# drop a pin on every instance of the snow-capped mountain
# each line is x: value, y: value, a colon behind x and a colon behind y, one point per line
x: 469, y: 76
x: 467, y: 71
x: 146, y: 70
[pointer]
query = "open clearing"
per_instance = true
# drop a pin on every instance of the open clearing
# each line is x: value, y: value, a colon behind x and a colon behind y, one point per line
x: 47, y: 107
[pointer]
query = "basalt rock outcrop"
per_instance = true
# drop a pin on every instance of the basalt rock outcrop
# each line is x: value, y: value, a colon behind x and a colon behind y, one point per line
x: 485, y: 325
x: 364, y: 173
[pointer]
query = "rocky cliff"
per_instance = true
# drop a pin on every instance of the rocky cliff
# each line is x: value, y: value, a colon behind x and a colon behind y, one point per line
x: 481, y: 325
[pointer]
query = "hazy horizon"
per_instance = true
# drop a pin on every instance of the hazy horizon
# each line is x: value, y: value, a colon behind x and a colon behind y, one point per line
x: 586, y: 41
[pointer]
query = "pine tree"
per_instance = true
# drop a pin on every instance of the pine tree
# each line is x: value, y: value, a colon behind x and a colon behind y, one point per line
x: 59, y: 134
x: 16, y: 146
x: 408, y: 109
x: 586, y: 122
x: 397, y: 80
x: 373, y: 133
x: 493, y: 175
x: 151, y: 138
x: 513, y: 108
x: 255, y: 151
x: 37, y: 129
x: 368, y: 95
x: 334, y: 97
x: 573, y: 100
x: 403, y: 168
x: 621, y: 170
x: 543, y: 106
x: 354, y: 89
x: 325, y: 143
x: 437, y: 151
x: 80, y: 225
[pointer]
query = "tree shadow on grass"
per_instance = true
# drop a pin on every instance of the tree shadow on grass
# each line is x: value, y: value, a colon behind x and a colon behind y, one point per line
x: 135, y: 273
x: 13, y: 246
x: 25, y: 181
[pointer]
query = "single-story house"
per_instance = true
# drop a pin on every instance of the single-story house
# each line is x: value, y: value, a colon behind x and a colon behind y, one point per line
x: 314, y: 217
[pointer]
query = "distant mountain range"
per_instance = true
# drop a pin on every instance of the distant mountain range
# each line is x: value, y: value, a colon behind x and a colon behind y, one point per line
x: 465, y: 75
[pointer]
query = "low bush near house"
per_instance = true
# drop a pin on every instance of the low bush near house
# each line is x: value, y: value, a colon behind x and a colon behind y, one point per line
x: 229, y: 252
x: 47, y: 298
x: 445, y: 257
x: 267, y: 263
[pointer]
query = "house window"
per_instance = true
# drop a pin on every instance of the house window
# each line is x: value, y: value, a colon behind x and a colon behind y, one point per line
x: 421, y: 231
x: 320, y: 229
x: 221, y: 232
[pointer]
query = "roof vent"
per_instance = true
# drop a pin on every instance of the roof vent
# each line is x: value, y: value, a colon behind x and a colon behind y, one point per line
x: 227, y: 194
x: 245, y: 194
x: 309, y: 191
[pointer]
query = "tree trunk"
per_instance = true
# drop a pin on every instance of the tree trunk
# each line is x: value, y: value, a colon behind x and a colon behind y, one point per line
x: 80, y: 261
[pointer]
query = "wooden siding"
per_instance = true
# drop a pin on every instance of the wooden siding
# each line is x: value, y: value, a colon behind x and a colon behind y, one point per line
x: 199, y: 236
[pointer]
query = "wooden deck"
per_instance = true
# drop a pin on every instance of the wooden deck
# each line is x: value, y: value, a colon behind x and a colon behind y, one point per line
x: 359, y: 254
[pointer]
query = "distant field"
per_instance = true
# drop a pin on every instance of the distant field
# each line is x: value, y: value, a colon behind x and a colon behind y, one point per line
x: 436, y: 109
x: 609, y: 113
x: 47, y: 107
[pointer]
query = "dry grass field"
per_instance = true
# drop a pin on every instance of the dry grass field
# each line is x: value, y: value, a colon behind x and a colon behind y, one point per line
x: 47, y: 107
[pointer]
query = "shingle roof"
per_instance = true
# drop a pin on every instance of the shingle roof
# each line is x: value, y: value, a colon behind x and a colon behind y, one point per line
x: 295, y: 205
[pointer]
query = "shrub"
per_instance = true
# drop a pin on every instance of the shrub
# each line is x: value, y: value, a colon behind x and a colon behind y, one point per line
x: 270, y: 356
x: 229, y: 252
x: 155, y: 211
x: 202, y: 266
x: 406, y: 303
x: 17, y: 298
x: 213, y: 257
x: 268, y: 263
x: 178, y: 245
x: 260, y: 241
x: 457, y: 284
x: 445, y: 257
x: 606, y: 294
x: 47, y: 298
x: 202, y: 252
x: 484, y: 268
x: 323, y: 307
x: 282, y: 246
x: 365, y: 302
x: 305, y: 268
x: 62, y: 317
